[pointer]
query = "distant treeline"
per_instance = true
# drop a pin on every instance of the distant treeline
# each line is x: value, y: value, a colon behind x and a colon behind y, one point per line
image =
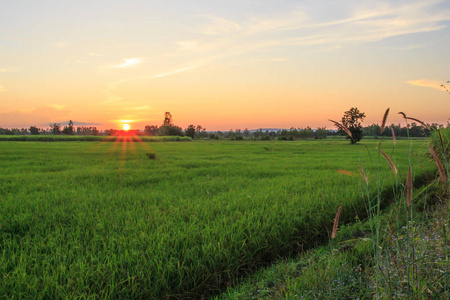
x: 412, y: 130
x: 199, y: 132
x: 74, y: 138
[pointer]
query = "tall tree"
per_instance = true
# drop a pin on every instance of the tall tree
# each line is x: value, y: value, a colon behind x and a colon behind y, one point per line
x: 55, y: 128
x: 69, y: 129
x: 34, y: 130
x: 168, y: 119
x: 352, y: 120
x: 190, y: 131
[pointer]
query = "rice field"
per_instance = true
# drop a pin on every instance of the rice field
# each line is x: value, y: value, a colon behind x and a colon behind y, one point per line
x: 172, y: 220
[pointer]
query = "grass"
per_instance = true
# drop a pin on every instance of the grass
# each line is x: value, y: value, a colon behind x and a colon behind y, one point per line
x: 103, y: 220
x: 401, y: 252
x: 346, y: 268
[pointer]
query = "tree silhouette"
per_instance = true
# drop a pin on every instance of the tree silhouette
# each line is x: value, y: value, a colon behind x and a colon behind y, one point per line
x: 55, y: 128
x: 352, y: 120
x: 168, y: 119
x: 190, y: 131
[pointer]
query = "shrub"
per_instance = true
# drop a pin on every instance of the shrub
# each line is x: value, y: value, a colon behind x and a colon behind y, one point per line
x: 151, y: 155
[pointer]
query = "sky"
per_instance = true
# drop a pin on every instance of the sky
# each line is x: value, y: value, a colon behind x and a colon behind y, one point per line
x: 222, y: 64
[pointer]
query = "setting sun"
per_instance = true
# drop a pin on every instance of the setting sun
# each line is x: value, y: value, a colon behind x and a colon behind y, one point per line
x: 126, y: 127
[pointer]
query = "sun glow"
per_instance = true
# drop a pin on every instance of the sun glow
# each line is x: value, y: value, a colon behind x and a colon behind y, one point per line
x: 126, y: 127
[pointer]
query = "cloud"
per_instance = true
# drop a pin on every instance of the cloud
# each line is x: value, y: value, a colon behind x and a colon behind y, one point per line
x: 34, y: 116
x: 218, y: 25
x: 221, y: 39
x: 270, y: 59
x: 431, y: 83
x: 110, y: 90
x: 2, y: 89
x: 76, y: 123
x: 379, y: 21
x: 145, y: 107
x: 7, y: 70
x: 176, y: 71
x: 56, y: 106
x: 128, y: 63
x: 61, y: 44
x: 405, y: 48
x: 94, y: 54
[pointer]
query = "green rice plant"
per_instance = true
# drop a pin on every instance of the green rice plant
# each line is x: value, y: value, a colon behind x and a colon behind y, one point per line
x: 102, y: 220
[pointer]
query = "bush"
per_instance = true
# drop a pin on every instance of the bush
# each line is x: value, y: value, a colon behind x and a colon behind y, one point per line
x: 151, y: 155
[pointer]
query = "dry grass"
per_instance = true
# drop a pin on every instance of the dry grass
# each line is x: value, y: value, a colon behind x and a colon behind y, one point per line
x: 391, y: 164
x: 347, y: 131
x: 336, y: 222
x: 383, y: 123
x: 364, y: 176
x: 345, y: 172
x: 442, y: 173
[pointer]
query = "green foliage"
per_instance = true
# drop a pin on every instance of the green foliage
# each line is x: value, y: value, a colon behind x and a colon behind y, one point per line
x: 55, y: 128
x: 440, y: 142
x: 34, y: 130
x: 109, y: 222
x: 151, y: 130
x: 69, y: 129
x: 170, y: 130
x: 190, y: 131
x: 352, y: 119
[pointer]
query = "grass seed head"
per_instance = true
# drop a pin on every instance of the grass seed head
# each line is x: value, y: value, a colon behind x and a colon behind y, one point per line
x: 336, y: 222
x: 364, y: 176
x: 383, y: 122
x: 391, y: 164
x: 438, y: 162
x: 347, y: 131
x: 418, y: 121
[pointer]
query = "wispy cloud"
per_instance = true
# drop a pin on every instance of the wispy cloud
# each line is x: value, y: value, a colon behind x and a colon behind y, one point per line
x: 176, y: 71
x: 77, y: 123
x: 2, y: 89
x: 62, y: 44
x: 218, y: 25
x: 405, y: 48
x: 35, y: 116
x: 128, y: 63
x: 296, y: 28
x: 7, y: 70
x: 430, y: 83
x: 221, y: 40
x: 56, y: 106
x: 270, y: 59
x: 145, y: 107
x: 110, y: 92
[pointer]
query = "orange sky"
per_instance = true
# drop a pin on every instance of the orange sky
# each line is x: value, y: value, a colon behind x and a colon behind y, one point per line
x: 270, y: 64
